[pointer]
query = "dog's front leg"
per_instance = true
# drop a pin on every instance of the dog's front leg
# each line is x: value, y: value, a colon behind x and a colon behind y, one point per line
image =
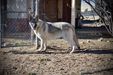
x: 41, y: 42
x: 43, y: 46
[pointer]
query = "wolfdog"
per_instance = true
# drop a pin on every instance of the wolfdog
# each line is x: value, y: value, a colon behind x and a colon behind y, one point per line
x: 50, y: 31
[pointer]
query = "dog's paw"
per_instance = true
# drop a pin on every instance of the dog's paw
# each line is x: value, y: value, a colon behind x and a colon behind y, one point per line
x: 39, y: 49
x: 75, y: 50
x: 71, y: 52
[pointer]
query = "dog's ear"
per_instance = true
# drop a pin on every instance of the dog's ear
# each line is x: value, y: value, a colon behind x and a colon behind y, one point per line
x: 30, y: 14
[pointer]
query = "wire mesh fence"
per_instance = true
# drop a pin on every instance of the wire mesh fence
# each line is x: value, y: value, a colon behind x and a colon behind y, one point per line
x: 16, y: 31
x: 15, y: 26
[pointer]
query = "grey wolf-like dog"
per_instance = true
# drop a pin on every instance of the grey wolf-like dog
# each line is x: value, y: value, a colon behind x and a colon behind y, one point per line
x: 49, y: 31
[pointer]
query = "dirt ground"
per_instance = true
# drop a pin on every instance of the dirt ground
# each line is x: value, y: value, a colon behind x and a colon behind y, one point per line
x: 94, y: 58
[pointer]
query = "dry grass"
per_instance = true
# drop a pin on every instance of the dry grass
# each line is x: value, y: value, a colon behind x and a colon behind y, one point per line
x: 95, y: 58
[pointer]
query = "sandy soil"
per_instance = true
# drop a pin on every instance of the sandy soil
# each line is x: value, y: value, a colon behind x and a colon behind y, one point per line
x: 94, y: 58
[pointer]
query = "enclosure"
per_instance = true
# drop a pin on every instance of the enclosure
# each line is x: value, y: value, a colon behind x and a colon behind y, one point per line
x: 18, y: 54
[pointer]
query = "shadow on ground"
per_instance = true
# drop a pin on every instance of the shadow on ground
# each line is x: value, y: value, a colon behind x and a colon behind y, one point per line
x: 54, y: 51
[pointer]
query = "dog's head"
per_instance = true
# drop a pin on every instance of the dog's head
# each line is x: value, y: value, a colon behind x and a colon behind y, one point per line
x: 33, y: 19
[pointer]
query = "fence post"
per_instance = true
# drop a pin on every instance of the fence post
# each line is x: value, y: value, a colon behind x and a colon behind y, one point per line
x: 36, y: 12
x: 0, y: 27
x: 73, y: 12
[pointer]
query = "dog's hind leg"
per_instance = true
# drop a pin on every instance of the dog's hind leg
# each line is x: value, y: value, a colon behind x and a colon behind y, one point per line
x: 68, y: 36
x: 75, y: 43
x: 73, y: 46
x: 73, y: 49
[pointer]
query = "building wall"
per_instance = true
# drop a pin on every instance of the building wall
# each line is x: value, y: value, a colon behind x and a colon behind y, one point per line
x: 51, y: 9
x: 55, y: 10
x: 67, y: 10
x: 60, y: 10
x: 48, y: 10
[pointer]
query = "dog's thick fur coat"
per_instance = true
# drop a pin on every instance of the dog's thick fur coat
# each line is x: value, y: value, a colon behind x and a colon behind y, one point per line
x: 48, y: 31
